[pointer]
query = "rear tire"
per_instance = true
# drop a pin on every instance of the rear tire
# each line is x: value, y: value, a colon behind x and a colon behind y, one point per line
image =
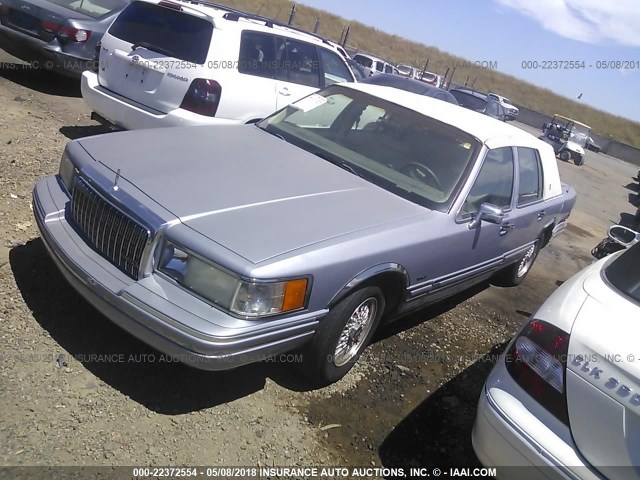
x: 342, y: 336
x: 514, y: 275
x: 565, y: 155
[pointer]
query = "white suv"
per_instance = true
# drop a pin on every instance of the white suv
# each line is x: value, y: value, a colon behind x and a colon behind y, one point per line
x: 511, y: 110
x: 172, y: 63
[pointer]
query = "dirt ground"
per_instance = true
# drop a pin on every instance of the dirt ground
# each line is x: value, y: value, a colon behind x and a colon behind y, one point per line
x: 410, y: 401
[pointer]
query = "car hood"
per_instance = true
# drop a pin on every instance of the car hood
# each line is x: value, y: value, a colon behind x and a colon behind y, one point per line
x: 245, y: 189
x: 575, y: 147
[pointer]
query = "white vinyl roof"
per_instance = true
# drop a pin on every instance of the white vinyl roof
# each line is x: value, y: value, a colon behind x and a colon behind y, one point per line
x: 490, y: 131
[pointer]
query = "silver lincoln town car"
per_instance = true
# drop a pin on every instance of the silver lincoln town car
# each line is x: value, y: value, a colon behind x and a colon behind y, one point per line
x: 221, y: 246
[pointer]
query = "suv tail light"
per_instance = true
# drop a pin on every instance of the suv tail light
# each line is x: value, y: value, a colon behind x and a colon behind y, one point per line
x: 202, y: 97
x: 73, y: 34
x: 537, y: 361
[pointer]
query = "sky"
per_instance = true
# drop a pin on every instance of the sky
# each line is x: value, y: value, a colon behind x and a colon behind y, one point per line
x: 510, y: 32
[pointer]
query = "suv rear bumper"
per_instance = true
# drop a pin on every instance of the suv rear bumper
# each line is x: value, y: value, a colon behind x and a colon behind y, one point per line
x: 156, y: 311
x: 125, y: 113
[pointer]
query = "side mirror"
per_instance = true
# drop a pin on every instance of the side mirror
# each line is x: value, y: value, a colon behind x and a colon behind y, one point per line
x: 623, y: 235
x: 488, y: 213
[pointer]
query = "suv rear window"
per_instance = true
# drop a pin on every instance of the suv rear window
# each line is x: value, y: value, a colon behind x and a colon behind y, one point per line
x: 623, y: 273
x: 470, y: 101
x: 171, y: 32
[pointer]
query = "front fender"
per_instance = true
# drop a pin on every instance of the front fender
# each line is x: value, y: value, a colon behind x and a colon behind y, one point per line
x: 370, y: 274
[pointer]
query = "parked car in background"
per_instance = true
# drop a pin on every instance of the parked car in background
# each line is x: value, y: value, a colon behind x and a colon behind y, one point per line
x: 166, y: 63
x: 407, y: 71
x: 411, y: 85
x: 225, y: 245
x: 58, y: 35
x: 480, y: 103
x: 512, y: 110
x: 564, y: 400
x: 432, y: 79
x: 373, y: 65
x: 593, y: 146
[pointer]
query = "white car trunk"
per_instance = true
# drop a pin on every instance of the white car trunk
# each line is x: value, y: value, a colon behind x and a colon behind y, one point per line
x: 150, y: 56
x: 603, y: 381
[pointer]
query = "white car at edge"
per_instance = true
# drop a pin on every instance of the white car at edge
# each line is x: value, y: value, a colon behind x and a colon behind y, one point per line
x: 511, y: 109
x: 565, y: 397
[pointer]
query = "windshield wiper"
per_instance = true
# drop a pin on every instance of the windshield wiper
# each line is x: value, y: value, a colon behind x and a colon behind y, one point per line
x: 149, y: 46
x: 270, y: 132
x: 339, y: 162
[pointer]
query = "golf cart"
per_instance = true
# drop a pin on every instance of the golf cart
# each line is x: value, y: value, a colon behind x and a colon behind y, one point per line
x: 568, y: 138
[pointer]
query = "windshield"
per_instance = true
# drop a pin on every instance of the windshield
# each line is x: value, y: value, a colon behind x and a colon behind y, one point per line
x: 623, y: 273
x: 470, y: 101
x: 364, y: 61
x: 579, y: 134
x: 398, y: 149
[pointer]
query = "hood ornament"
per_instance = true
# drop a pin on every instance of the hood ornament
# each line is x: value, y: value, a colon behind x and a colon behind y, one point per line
x: 115, y: 183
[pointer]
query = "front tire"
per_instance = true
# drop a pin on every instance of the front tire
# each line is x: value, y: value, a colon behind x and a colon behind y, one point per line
x: 514, y: 275
x: 342, y: 336
x: 565, y: 155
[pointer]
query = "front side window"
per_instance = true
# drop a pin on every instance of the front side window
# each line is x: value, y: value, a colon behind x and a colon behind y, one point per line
x: 335, y: 71
x: 530, y: 181
x: 400, y: 150
x: 494, y: 183
x: 299, y: 62
x: 379, y: 66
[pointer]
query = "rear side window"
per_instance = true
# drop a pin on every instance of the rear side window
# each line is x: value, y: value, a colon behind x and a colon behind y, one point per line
x: 379, y: 66
x: 257, y: 54
x: 164, y: 30
x: 335, y: 70
x: 530, y: 184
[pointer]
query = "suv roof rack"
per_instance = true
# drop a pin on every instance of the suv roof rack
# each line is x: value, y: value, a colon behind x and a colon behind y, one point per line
x: 234, y: 15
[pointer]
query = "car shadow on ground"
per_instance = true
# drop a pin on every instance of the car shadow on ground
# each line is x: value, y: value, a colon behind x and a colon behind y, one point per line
x: 41, y: 80
x: 424, y: 314
x: 117, y: 358
x: 437, y: 433
x: 80, y: 131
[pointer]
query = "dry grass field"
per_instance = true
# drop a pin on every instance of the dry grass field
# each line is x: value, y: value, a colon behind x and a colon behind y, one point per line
x: 400, y: 50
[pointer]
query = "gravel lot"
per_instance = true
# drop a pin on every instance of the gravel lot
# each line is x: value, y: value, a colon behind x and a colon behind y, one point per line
x: 410, y: 401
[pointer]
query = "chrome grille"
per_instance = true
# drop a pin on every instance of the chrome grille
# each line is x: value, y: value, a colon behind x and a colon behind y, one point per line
x: 113, y: 234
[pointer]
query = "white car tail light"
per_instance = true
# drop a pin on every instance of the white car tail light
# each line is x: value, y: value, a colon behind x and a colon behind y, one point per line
x: 203, y: 97
x: 537, y: 361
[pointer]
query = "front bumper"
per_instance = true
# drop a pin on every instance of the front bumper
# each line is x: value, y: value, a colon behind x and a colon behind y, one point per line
x: 42, y: 55
x: 155, y: 310
x: 513, y: 433
x: 125, y: 113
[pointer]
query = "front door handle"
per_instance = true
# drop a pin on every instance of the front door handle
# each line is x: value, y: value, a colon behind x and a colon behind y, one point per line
x: 284, y: 92
x: 506, y: 228
x: 541, y: 214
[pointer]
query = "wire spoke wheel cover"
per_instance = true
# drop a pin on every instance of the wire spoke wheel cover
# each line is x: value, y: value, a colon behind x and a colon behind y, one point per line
x: 355, y: 331
x: 527, y: 261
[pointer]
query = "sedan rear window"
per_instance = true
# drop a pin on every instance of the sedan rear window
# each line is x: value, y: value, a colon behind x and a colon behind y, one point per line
x: 164, y: 30
x: 92, y: 8
x: 623, y: 274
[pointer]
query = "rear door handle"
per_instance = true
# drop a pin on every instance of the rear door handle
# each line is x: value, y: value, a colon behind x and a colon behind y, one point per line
x: 541, y: 214
x: 506, y: 228
x: 284, y: 92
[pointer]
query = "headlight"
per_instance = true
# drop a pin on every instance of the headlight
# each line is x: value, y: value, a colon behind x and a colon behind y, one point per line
x: 67, y: 172
x: 249, y: 299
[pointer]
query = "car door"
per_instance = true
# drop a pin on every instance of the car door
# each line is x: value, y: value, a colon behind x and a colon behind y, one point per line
x: 475, y: 253
x: 298, y: 70
x: 529, y: 216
